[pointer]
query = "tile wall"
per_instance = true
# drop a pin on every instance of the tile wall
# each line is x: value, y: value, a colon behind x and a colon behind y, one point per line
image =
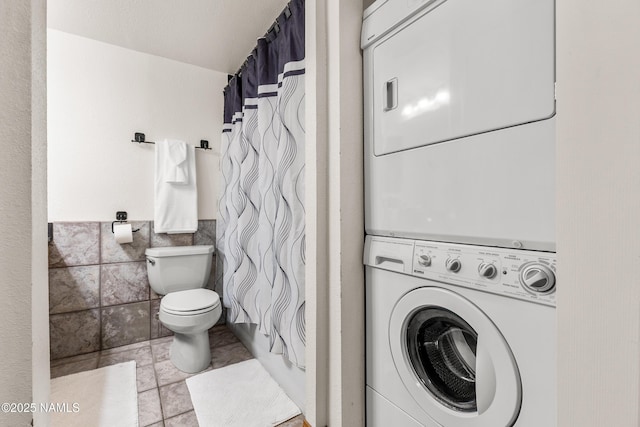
x: 99, y: 294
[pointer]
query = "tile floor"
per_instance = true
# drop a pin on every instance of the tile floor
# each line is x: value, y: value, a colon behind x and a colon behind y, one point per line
x: 163, y: 397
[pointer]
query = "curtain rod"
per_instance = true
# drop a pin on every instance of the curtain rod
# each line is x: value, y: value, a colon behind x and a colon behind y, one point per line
x: 274, y: 28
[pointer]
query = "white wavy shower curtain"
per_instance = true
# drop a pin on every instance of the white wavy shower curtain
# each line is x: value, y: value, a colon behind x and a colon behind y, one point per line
x: 260, y: 228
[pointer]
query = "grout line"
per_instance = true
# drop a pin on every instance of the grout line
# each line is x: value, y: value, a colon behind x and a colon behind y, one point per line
x: 181, y: 413
x: 123, y: 262
x: 59, y: 360
x: 150, y: 317
x: 74, y: 311
x: 73, y: 266
x: 99, y: 307
x: 159, y: 395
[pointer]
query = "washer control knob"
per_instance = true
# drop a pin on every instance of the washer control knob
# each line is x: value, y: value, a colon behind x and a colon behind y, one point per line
x: 538, y: 278
x: 453, y: 265
x: 487, y: 270
x: 424, y: 260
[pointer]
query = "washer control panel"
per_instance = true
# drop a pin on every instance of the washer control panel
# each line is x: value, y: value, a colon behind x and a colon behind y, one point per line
x: 526, y: 275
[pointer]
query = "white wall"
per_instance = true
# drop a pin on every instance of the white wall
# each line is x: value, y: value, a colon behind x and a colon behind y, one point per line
x: 316, y: 222
x: 15, y: 208
x: 346, y: 214
x: 39, y: 255
x: 598, y: 213
x: 335, y: 214
x: 21, y: 279
x: 98, y: 96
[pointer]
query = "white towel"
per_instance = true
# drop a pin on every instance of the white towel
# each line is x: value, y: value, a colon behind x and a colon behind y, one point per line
x: 175, y: 167
x: 176, y: 203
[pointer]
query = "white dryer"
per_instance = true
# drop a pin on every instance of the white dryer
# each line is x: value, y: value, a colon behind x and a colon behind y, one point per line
x: 459, y: 335
x: 459, y: 121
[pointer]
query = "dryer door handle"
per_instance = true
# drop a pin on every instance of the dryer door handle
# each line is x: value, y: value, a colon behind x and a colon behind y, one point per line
x: 391, y: 94
x: 485, y: 377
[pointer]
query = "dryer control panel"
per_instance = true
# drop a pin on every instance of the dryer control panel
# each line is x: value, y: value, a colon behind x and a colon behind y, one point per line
x: 526, y: 275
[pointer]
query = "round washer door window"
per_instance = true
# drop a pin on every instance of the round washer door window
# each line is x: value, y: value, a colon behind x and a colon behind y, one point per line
x: 453, y: 360
x: 442, y: 350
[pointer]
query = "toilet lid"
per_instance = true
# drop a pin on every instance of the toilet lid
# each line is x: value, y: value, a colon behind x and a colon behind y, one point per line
x: 192, y: 301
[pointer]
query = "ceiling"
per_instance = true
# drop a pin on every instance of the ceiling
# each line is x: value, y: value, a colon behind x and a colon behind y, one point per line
x: 214, y: 34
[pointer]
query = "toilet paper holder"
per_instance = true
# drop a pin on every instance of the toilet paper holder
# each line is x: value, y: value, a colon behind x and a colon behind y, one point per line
x: 121, y: 218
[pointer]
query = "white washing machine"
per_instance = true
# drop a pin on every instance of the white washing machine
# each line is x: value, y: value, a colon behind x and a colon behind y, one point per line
x: 459, y: 121
x: 459, y: 335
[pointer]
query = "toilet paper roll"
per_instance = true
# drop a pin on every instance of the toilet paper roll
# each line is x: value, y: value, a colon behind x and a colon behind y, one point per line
x: 123, y: 233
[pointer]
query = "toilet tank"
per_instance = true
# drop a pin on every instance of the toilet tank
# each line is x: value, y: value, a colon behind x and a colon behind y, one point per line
x: 178, y: 268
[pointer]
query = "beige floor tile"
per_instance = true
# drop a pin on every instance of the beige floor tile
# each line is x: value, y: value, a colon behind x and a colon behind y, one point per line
x: 142, y: 357
x: 220, y: 336
x: 161, y: 351
x: 166, y: 373
x: 149, y: 410
x: 187, y: 419
x: 161, y: 340
x: 129, y: 347
x: 146, y: 378
x: 175, y: 399
x: 229, y: 354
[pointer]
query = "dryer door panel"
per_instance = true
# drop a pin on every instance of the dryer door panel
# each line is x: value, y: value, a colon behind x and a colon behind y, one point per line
x: 494, y: 189
x: 464, y: 67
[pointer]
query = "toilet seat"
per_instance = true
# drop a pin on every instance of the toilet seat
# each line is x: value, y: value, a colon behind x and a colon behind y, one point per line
x: 190, y: 302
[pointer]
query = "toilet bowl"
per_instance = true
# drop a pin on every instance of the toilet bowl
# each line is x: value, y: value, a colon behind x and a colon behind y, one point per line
x: 190, y: 314
x: 187, y: 309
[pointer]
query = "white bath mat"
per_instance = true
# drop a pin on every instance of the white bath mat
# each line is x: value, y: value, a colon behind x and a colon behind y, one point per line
x: 239, y: 395
x: 102, y: 397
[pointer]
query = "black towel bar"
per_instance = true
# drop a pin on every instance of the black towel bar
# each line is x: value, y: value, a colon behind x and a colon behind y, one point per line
x: 140, y: 139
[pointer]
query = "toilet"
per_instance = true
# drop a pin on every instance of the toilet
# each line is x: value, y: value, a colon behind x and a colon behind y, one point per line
x: 180, y: 274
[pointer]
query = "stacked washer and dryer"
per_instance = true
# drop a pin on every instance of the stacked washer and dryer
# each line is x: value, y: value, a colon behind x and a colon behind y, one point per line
x: 459, y: 213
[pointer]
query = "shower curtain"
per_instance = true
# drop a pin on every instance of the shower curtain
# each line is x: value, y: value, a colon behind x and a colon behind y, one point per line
x: 260, y: 227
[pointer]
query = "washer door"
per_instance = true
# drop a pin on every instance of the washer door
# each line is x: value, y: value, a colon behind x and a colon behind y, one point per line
x: 453, y: 360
